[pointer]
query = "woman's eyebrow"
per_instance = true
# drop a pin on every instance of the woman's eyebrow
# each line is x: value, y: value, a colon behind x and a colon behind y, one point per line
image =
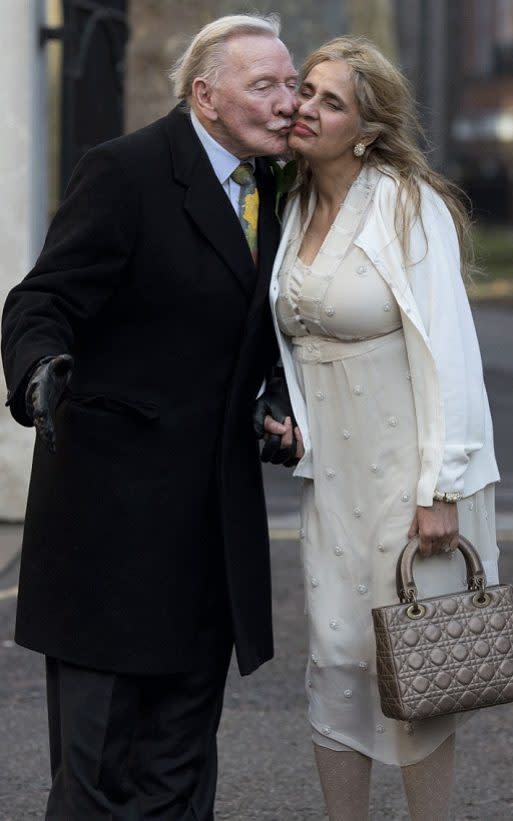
x: 328, y: 95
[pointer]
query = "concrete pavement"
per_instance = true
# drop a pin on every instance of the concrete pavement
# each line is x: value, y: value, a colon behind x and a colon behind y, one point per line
x: 266, y: 766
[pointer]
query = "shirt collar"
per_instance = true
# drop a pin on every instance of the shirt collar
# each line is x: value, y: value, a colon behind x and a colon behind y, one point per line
x: 223, y: 162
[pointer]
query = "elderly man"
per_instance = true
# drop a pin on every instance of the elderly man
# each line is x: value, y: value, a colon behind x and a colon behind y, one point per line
x: 137, y: 345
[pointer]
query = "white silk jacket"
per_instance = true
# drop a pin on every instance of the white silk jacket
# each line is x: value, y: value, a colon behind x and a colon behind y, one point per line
x: 454, y: 425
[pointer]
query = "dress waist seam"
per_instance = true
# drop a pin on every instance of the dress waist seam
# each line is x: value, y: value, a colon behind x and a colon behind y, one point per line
x: 314, y: 348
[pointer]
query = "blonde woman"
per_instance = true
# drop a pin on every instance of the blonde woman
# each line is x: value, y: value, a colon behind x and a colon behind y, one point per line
x: 385, y: 378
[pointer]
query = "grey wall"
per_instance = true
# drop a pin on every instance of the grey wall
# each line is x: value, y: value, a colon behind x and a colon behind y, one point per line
x: 23, y: 203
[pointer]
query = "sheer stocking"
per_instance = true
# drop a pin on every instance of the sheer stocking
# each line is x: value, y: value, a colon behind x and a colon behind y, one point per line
x: 428, y: 784
x: 345, y: 781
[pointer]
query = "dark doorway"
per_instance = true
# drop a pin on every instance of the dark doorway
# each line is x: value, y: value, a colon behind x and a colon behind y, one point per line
x: 94, y: 36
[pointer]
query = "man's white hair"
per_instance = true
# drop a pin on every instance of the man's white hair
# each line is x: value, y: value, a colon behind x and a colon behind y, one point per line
x: 205, y: 55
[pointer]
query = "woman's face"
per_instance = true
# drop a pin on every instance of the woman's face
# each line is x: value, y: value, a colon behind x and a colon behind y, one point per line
x: 327, y: 123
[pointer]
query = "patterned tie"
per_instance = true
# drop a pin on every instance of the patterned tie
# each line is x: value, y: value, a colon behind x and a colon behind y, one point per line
x: 248, y: 205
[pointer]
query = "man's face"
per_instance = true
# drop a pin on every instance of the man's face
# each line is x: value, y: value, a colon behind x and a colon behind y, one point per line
x: 254, y: 98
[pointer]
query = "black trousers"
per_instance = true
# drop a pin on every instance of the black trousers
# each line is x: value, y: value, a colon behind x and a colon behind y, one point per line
x: 133, y: 748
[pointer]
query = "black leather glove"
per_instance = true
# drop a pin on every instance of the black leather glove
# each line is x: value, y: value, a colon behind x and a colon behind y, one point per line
x: 44, y: 392
x: 275, y: 402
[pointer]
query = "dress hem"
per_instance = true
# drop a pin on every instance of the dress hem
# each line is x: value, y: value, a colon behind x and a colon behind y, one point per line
x: 359, y: 748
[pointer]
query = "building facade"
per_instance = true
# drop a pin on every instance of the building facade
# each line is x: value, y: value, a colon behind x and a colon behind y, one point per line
x: 459, y: 58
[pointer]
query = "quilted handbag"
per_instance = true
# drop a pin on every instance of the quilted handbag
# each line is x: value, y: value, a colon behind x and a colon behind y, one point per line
x: 444, y: 654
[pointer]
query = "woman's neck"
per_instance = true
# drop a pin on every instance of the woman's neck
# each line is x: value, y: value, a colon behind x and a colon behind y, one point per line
x: 333, y: 182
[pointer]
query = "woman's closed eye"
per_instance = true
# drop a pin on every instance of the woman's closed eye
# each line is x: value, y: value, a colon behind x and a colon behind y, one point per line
x: 305, y: 92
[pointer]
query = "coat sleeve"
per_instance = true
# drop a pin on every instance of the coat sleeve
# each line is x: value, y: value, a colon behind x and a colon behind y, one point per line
x: 82, y: 263
x: 439, y: 291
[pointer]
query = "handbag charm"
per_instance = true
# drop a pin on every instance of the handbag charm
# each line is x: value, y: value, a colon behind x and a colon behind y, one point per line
x: 444, y: 654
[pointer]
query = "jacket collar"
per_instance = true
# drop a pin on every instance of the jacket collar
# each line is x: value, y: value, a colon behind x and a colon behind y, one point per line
x: 210, y: 209
x: 290, y: 233
x: 268, y: 229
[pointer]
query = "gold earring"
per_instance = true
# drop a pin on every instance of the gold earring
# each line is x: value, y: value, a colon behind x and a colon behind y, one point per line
x: 359, y: 150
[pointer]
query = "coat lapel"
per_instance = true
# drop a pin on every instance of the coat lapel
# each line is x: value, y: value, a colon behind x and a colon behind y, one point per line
x: 206, y: 202
x: 268, y: 231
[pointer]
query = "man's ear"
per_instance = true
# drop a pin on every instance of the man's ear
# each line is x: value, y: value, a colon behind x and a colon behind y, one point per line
x: 203, y: 98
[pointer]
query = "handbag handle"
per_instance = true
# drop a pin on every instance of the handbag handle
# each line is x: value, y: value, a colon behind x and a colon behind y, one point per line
x: 406, y: 589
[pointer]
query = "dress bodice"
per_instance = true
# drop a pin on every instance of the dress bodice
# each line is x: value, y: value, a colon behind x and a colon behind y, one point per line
x: 341, y: 294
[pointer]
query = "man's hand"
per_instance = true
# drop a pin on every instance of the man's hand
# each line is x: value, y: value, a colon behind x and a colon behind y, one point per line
x: 437, y: 528
x: 283, y: 437
x: 272, y: 420
x: 44, y: 392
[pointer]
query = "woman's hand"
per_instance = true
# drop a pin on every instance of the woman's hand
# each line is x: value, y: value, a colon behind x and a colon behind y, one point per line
x: 437, y: 528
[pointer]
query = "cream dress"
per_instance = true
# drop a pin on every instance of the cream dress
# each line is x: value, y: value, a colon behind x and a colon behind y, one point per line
x: 353, y: 366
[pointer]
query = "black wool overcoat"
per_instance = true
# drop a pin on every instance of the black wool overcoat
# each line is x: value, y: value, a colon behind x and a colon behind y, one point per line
x: 153, y: 502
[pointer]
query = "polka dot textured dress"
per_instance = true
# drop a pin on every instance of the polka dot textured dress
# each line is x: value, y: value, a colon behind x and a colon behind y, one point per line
x: 352, y: 361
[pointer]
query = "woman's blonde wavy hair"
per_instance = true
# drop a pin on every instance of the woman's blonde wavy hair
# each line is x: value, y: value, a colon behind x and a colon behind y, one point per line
x: 388, y: 114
